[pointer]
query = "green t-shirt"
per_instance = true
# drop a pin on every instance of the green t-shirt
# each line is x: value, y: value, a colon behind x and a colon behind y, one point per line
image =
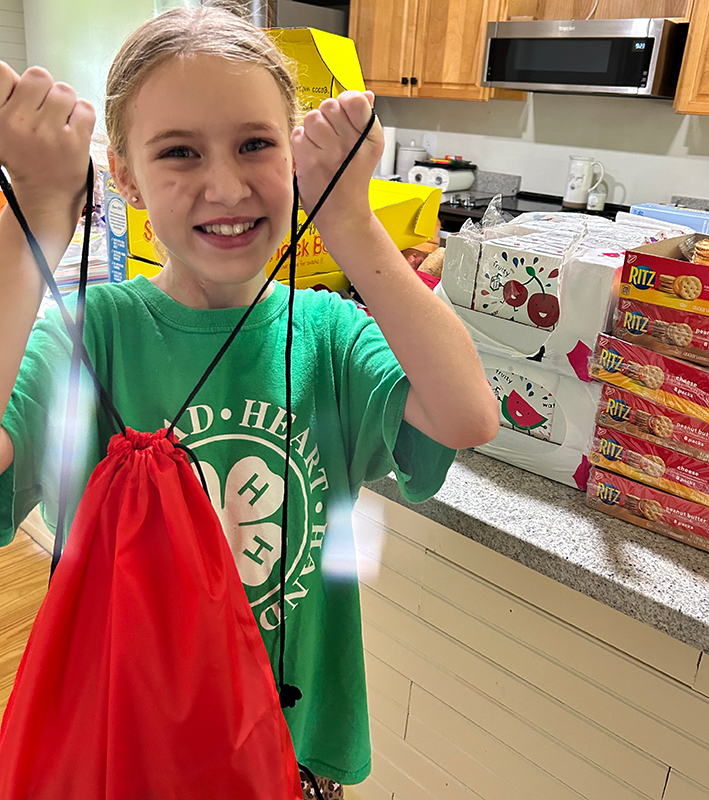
x: 348, y: 399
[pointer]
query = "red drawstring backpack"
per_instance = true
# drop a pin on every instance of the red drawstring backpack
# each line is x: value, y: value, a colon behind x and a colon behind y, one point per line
x: 145, y: 676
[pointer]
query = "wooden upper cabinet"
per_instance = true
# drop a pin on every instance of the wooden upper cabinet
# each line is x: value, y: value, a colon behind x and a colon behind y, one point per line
x: 606, y: 9
x: 693, y: 88
x: 384, y: 32
x: 422, y: 48
x: 450, y: 46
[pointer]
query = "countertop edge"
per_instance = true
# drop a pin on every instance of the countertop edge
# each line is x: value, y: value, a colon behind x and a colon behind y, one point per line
x: 607, y: 589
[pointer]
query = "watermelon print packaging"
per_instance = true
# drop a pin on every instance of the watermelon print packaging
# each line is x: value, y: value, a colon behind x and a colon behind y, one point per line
x: 525, y: 405
x: 547, y: 419
x: 646, y: 420
x: 652, y: 464
x: 649, y: 508
x: 663, y: 380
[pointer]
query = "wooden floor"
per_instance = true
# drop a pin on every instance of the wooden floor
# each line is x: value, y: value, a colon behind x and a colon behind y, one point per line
x: 24, y: 571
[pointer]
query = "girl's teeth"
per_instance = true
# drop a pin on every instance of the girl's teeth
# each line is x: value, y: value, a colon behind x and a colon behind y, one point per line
x: 230, y: 230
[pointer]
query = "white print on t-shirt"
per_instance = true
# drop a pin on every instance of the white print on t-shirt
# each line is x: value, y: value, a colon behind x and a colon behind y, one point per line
x: 248, y: 498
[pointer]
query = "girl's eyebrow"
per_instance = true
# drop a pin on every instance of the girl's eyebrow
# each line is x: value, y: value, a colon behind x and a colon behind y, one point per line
x: 175, y: 133
x: 270, y: 127
x: 246, y: 127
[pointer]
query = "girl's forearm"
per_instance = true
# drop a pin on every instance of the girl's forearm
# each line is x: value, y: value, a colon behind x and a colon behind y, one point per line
x: 21, y: 285
x: 450, y: 399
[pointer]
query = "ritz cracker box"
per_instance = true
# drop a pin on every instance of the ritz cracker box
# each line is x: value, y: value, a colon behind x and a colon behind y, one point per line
x: 665, y: 381
x: 624, y: 411
x: 660, y: 274
x: 669, y: 331
x: 649, y: 508
x: 651, y: 463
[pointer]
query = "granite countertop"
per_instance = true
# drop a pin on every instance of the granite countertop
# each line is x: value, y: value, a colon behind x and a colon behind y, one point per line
x: 547, y: 526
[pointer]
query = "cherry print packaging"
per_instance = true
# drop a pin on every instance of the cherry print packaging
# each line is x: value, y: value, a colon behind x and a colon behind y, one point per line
x: 649, y: 508
x: 663, y: 380
x: 665, y: 330
x: 518, y: 278
x: 569, y: 343
x: 652, y: 464
x: 640, y: 417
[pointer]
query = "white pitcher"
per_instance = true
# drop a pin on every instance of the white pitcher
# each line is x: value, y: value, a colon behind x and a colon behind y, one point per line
x: 581, y: 180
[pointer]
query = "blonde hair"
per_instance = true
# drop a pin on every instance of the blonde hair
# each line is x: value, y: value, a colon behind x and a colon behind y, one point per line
x: 182, y: 33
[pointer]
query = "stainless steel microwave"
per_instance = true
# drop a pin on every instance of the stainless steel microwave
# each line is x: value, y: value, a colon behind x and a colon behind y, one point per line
x: 640, y: 57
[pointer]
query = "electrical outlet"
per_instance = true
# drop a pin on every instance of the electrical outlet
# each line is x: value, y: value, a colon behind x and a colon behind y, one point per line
x: 429, y: 142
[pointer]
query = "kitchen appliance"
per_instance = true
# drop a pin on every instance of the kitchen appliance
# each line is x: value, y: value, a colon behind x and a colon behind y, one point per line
x: 640, y: 57
x: 450, y: 177
x: 580, y: 180
x: 406, y: 158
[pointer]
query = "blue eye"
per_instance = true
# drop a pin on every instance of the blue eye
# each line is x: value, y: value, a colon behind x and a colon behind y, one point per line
x: 254, y: 145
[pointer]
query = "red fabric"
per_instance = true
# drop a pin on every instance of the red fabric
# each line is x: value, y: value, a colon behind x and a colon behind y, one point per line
x: 145, y: 676
x: 430, y: 280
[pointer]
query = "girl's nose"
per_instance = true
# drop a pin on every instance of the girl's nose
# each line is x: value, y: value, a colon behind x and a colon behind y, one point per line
x: 225, y: 184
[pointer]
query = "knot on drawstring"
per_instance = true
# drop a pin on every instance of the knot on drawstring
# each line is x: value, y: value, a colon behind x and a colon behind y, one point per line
x: 289, y: 695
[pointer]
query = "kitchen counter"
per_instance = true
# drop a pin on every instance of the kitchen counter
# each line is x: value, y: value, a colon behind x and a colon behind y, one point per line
x: 546, y: 526
x: 453, y: 216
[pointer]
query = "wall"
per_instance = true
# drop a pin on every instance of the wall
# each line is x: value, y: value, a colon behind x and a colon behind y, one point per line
x: 76, y: 40
x: 649, y: 152
x: 12, y: 34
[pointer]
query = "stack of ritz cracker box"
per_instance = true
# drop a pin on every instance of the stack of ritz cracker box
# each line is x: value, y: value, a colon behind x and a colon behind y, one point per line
x: 534, y: 294
x: 650, y: 450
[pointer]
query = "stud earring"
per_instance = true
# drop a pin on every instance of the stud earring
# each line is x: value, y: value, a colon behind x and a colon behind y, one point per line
x: 134, y: 198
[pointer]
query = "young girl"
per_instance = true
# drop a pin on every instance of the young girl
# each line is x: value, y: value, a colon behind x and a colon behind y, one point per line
x: 201, y: 116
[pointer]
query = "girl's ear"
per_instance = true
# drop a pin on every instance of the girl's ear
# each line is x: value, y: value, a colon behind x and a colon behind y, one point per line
x: 121, y: 173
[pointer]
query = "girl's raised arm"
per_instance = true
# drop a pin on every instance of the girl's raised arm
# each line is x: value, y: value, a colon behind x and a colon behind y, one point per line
x: 450, y: 399
x: 45, y: 134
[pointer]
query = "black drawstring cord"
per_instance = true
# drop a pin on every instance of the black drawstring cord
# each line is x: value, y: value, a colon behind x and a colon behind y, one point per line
x: 72, y: 330
x: 288, y: 694
x: 313, y: 781
x: 193, y: 458
x: 74, y: 380
x: 293, y: 246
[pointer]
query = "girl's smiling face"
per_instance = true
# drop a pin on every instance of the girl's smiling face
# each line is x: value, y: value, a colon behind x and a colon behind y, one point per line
x: 209, y: 157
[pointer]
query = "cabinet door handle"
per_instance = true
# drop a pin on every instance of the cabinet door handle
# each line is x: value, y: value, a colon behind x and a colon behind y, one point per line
x: 414, y: 81
x: 405, y: 81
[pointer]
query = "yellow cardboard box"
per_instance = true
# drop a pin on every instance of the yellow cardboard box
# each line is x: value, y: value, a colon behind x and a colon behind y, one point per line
x: 135, y: 266
x: 333, y: 280
x: 327, y: 64
x: 142, y: 241
x: 407, y: 211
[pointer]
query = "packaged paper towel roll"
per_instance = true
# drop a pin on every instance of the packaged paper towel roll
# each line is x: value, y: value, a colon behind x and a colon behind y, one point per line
x: 421, y: 175
x: 388, y: 159
x: 451, y: 180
